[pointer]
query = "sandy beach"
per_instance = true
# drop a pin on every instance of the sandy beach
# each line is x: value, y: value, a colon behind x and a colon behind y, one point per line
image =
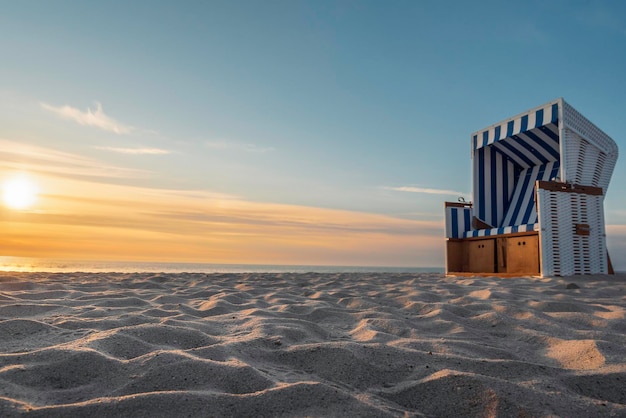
x: 350, y: 344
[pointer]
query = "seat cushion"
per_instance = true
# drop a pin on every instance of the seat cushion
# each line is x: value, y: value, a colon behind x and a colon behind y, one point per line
x: 501, y: 230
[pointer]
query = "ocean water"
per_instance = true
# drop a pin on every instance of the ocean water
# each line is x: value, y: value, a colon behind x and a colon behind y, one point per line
x: 88, y: 266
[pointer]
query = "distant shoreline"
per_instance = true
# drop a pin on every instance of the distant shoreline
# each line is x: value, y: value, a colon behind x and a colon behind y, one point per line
x: 49, y: 265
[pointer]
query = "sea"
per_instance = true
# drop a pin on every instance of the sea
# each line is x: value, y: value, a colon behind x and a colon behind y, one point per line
x: 48, y: 265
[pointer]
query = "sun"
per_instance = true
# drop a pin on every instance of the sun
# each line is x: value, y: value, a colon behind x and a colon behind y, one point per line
x: 19, y: 193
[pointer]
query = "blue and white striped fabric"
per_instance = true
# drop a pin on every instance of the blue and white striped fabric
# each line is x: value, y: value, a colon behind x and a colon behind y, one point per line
x: 501, y: 230
x: 522, y: 209
x: 494, y: 181
x: 543, y: 116
x: 508, y: 158
x: 458, y: 221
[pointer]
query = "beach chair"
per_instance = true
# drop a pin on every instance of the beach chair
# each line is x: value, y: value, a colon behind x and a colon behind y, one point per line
x: 539, y: 181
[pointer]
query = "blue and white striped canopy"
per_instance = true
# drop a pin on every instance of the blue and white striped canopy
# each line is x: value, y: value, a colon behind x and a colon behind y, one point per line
x: 528, y: 139
x: 508, y: 159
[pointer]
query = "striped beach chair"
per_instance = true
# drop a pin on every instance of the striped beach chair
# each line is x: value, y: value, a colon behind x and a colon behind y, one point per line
x: 539, y: 181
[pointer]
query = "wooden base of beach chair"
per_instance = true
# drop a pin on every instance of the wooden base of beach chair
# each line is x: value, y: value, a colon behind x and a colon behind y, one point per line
x: 511, y: 254
x: 499, y: 255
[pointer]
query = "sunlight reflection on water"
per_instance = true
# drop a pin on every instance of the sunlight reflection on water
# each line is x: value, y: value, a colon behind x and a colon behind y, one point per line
x: 27, y: 264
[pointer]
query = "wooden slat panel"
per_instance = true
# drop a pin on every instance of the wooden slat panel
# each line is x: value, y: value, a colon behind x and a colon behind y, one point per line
x: 523, y: 255
x: 482, y: 256
x: 456, y: 256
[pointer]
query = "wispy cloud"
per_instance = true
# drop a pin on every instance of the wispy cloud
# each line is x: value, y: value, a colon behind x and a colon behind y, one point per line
x: 237, y: 146
x: 96, y: 118
x: 135, y: 151
x: 412, y: 189
x: 198, y: 225
x: 19, y: 156
x: 616, y: 230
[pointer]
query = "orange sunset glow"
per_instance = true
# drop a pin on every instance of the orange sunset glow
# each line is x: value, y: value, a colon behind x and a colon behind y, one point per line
x: 60, y: 216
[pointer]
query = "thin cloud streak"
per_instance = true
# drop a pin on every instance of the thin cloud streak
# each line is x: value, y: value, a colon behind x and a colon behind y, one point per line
x: 411, y: 189
x: 616, y: 245
x: 18, y: 156
x: 135, y: 151
x: 127, y: 222
x: 96, y: 118
x: 616, y: 229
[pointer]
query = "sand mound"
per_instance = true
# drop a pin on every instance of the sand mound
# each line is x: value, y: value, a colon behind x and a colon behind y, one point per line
x: 576, y: 354
x: 310, y: 345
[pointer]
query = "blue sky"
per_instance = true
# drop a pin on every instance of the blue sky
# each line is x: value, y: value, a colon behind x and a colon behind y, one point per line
x: 314, y: 104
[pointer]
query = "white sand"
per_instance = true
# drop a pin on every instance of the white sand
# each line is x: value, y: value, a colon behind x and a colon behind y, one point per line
x: 311, y: 345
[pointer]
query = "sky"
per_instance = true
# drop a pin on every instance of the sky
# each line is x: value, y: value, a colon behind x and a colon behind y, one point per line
x: 281, y: 132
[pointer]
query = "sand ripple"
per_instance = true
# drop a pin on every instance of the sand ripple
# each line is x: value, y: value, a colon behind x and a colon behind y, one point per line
x: 311, y: 345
